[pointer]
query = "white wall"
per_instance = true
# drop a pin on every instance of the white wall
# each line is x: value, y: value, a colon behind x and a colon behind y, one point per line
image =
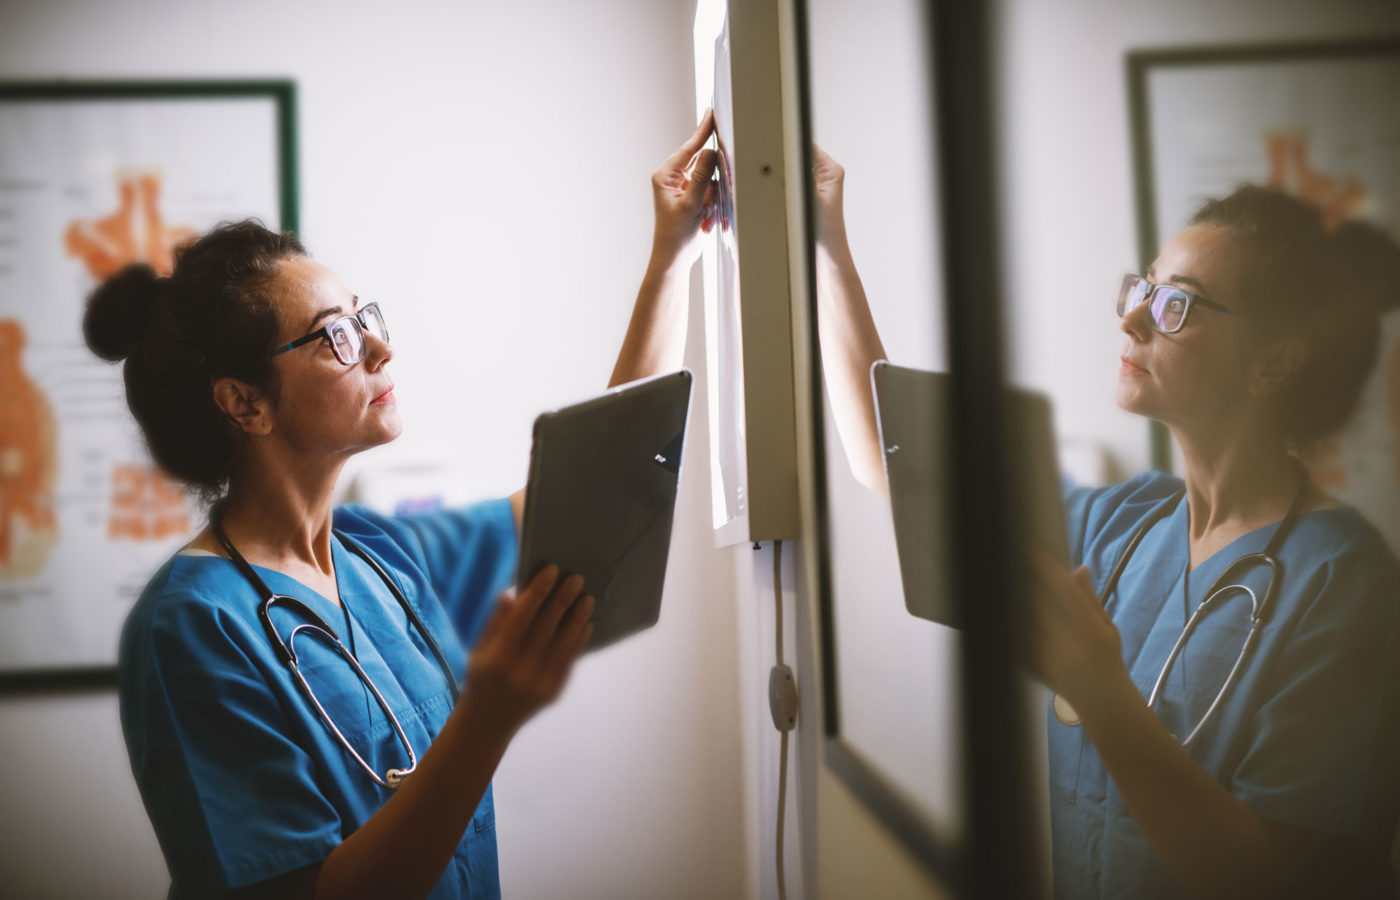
x: 834, y: 848
x: 487, y: 161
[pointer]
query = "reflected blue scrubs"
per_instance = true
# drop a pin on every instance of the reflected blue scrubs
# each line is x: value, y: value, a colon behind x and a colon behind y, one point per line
x: 240, y: 777
x: 1307, y: 734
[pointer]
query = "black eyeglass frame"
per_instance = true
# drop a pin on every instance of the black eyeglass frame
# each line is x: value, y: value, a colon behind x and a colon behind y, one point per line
x: 358, y: 320
x: 1130, y: 280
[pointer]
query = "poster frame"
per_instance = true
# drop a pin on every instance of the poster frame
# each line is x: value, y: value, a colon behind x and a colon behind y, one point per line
x: 282, y: 92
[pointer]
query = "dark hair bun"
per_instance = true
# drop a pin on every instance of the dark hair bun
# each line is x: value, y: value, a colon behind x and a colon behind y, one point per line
x: 215, y: 316
x: 1369, y: 261
x: 118, y: 310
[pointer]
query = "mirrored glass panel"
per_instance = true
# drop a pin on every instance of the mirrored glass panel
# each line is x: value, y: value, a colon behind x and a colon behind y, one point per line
x: 880, y: 321
x: 1202, y: 272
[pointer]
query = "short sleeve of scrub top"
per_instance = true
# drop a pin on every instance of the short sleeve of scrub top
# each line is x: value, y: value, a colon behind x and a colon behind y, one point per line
x: 240, y: 777
x: 1321, y: 746
x: 1306, y: 735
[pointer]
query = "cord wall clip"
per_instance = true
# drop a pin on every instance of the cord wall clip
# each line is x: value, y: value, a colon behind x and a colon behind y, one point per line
x: 782, y: 698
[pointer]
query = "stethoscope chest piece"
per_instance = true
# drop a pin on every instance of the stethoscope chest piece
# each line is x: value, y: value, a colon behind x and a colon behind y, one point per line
x: 1064, y: 713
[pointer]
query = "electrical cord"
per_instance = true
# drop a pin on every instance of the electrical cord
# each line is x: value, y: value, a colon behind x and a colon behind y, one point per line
x: 783, y: 750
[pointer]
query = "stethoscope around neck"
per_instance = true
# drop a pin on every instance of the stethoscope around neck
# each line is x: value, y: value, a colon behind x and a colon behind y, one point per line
x: 286, y: 651
x: 1224, y: 586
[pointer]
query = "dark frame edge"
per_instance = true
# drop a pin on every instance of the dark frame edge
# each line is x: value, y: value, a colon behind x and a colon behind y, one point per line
x: 56, y: 680
x: 1280, y: 51
x: 998, y: 782
x: 288, y: 173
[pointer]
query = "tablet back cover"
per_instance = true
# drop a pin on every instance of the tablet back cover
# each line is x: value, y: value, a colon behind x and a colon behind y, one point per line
x: 602, y: 496
x: 912, y: 410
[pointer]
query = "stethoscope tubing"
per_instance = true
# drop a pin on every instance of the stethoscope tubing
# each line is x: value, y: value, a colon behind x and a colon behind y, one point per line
x: 1256, y: 619
x: 1258, y: 613
x: 391, y: 777
x: 286, y: 650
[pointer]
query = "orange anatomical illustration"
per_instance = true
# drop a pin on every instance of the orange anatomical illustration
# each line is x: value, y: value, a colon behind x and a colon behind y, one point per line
x: 28, y: 463
x: 146, y: 505
x: 135, y: 232
x: 1338, y: 196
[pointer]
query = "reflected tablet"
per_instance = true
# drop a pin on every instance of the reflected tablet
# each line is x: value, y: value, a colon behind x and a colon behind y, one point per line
x: 912, y: 408
x: 601, y: 498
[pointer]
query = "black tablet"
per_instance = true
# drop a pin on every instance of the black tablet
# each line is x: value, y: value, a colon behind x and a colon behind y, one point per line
x: 912, y: 411
x: 602, y: 496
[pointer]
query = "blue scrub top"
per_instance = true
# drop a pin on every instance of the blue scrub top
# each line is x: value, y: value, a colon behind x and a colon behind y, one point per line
x: 240, y: 777
x: 1307, y: 734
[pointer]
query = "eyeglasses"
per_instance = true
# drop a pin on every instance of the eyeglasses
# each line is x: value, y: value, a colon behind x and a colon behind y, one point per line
x: 1169, y: 305
x: 346, y: 334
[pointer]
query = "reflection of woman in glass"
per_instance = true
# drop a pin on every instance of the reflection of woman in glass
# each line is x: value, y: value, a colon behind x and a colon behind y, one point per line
x: 849, y: 341
x: 1249, y: 337
x: 255, y: 375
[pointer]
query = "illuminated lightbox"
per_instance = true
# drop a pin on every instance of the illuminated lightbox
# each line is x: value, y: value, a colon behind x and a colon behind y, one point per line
x: 748, y: 344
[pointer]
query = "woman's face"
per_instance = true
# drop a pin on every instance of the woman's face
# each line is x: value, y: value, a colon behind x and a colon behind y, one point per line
x: 1197, y: 377
x: 324, y: 407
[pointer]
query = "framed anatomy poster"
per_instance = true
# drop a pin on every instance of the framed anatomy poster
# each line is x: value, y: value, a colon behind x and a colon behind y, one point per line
x: 94, y: 176
x: 1319, y: 121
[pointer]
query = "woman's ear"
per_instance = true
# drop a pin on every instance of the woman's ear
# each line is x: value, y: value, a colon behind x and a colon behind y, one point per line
x: 249, y: 408
x: 1275, y: 364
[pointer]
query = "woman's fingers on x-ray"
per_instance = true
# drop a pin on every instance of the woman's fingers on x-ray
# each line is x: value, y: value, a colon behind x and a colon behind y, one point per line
x: 701, y: 169
x: 697, y: 140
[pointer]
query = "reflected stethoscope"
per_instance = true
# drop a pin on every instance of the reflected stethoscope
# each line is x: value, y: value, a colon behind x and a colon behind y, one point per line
x: 1260, y: 608
x: 285, y: 650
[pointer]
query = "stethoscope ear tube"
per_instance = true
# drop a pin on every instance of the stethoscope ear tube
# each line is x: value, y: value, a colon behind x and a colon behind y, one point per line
x: 408, y: 609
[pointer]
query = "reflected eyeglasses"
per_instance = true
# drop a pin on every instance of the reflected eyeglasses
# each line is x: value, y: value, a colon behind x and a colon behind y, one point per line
x: 1168, y: 305
x: 346, y: 334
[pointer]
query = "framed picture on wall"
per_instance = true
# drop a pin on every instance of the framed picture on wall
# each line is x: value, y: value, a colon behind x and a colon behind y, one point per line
x: 94, y: 176
x: 1320, y: 121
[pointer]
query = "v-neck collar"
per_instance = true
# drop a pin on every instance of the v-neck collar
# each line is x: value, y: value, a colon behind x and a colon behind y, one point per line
x: 1252, y: 541
x: 323, y: 605
x: 340, y: 567
x: 337, y: 568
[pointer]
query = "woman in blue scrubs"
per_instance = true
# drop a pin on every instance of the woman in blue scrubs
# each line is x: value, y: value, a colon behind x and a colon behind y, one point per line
x: 1289, y: 787
x: 1253, y: 350
x: 255, y: 374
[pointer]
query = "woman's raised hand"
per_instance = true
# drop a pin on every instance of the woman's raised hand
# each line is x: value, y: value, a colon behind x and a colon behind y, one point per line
x: 829, y: 181
x: 683, y: 194
x: 526, y: 651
